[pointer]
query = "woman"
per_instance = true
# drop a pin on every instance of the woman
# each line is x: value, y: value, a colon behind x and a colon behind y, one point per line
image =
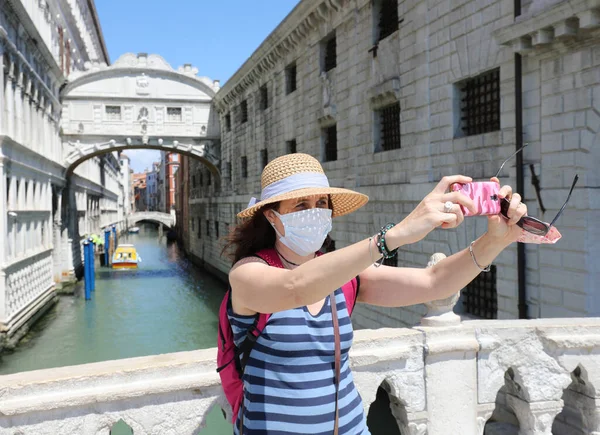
x: 290, y: 375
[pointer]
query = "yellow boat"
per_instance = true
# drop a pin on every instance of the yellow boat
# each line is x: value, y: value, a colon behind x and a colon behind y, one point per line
x: 125, y: 257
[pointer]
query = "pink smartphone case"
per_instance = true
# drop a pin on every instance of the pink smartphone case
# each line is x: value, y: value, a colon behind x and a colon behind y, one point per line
x: 484, y: 194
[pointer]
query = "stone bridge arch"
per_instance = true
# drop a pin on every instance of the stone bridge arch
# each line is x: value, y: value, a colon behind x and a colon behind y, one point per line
x: 139, y: 102
x: 151, y: 216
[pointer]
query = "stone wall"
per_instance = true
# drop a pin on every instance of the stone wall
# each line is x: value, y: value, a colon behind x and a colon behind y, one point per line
x: 423, y: 66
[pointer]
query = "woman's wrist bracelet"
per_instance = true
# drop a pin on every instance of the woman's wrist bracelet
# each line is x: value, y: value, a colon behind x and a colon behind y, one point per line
x: 483, y: 269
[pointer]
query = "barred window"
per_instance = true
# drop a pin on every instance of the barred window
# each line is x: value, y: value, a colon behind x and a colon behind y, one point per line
x: 113, y: 113
x: 264, y: 97
x: 228, y: 122
x: 207, y: 227
x: 193, y: 181
x: 226, y: 171
x: 480, y: 298
x: 480, y: 103
x: 217, y: 229
x: 290, y: 78
x: 389, y: 128
x: 264, y: 158
x: 387, y: 17
x: 330, y: 143
x: 244, y: 167
x: 329, y: 54
x: 290, y: 146
x: 174, y: 114
x: 244, y: 111
x: 199, y: 228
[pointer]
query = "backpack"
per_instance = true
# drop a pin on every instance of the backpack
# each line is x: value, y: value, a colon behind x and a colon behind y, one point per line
x: 229, y: 366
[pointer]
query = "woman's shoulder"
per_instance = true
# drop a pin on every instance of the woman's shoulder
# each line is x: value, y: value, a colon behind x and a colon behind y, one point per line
x: 247, y: 260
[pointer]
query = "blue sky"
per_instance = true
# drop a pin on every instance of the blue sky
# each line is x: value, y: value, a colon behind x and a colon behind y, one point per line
x: 214, y: 36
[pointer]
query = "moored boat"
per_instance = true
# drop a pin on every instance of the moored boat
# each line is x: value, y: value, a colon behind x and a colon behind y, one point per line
x: 125, y: 257
x: 134, y: 230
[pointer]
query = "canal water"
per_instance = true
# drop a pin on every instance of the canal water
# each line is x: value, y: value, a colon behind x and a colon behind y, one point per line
x: 166, y: 305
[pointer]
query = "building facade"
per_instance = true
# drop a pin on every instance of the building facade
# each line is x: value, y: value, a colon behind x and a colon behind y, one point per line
x: 139, y: 192
x: 393, y: 95
x: 41, y: 43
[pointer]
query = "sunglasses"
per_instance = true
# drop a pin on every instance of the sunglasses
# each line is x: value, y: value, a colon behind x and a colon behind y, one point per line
x: 529, y: 223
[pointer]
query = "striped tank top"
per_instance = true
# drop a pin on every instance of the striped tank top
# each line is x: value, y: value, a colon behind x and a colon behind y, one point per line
x: 289, y: 377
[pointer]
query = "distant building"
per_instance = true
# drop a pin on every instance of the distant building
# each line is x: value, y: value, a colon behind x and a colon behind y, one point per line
x: 127, y: 182
x: 171, y: 163
x: 139, y: 192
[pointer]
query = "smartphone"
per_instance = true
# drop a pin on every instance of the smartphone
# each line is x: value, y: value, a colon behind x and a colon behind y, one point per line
x: 484, y: 195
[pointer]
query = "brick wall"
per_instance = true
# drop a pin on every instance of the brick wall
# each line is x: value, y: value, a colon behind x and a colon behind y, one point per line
x: 438, y: 46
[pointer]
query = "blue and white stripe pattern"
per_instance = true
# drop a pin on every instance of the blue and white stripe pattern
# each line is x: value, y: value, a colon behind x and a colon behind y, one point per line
x: 289, y: 378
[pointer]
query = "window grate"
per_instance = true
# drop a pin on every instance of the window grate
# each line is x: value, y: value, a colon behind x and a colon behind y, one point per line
x: 388, y: 18
x: 290, y: 146
x: 480, y: 298
x: 330, y: 54
x: 174, y: 114
x: 244, y: 167
x: 244, y: 111
x: 390, y: 127
x: 290, y: 79
x: 330, y: 139
x: 264, y: 158
x: 264, y: 97
x: 113, y: 113
x: 228, y: 122
x: 480, y: 104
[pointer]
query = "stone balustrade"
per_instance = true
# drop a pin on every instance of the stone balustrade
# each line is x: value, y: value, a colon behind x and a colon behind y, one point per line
x: 527, y: 377
x: 443, y: 377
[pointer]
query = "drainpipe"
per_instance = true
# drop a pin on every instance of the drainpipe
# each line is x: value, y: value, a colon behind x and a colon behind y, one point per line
x: 521, y: 264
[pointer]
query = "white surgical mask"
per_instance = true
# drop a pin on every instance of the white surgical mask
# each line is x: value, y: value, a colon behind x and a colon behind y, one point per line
x: 306, y: 230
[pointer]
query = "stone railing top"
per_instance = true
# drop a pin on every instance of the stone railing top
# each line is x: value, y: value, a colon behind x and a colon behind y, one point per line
x: 444, y: 379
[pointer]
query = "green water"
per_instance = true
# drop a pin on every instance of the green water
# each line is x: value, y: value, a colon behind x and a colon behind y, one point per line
x: 166, y: 305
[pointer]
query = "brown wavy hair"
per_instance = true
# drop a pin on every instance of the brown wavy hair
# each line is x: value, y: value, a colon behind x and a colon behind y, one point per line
x: 250, y: 236
x: 255, y: 234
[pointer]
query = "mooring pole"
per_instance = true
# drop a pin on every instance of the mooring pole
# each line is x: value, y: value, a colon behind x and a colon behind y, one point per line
x: 114, y: 230
x: 86, y: 270
x: 107, y: 258
x: 92, y: 264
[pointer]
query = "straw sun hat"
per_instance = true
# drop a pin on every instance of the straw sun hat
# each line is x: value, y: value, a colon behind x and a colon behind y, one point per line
x: 297, y: 176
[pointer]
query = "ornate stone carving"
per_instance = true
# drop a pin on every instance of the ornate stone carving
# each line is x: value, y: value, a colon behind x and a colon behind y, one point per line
x: 142, y: 85
x: 440, y: 312
x: 211, y: 152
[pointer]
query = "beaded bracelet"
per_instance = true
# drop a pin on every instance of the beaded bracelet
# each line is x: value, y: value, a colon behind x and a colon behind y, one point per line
x: 382, y: 246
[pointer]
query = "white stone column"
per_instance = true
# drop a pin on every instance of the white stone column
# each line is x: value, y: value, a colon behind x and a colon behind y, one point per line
x: 451, y: 376
x: 3, y: 214
x: 19, y: 107
x: 26, y: 138
x: 2, y: 101
x: 57, y: 240
x: 9, y: 100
